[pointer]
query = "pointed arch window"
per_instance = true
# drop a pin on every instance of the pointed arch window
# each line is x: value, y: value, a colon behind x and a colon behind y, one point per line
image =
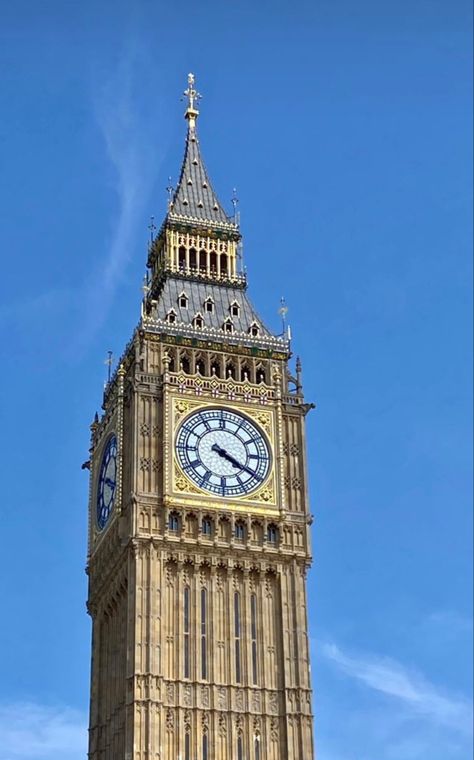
x: 272, y: 534
x: 239, y: 530
x: 235, y: 309
x: 209, y: 305
x: 228, y: 326
x: 257, y: 747
x: 186, y: 631
x: 240, y: 748
x: 237, y: 635
x: 173, y: 522
x: 254, y: 329
x: 207, y: 527
x: 171, y: 316
x: 183, y: 300
x: 198, y: 321
x: 185, y: 364
x: 181, y: 257
x: 253, y: 632
x: 204, y: 633
x: 205, y: 755
x: 187, y: 746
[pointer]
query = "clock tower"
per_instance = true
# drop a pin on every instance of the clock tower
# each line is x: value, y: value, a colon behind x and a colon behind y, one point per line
x: 198, y: 511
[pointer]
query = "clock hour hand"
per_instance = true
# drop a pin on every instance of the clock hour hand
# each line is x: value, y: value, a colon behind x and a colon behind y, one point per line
x: 225, y: 455
x: 109, y: 482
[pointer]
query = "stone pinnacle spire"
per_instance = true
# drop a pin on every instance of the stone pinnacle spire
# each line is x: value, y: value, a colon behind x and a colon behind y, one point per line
x: 194, y: 198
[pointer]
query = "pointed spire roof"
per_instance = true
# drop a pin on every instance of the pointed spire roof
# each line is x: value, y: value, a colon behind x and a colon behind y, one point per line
x: 194, y: 197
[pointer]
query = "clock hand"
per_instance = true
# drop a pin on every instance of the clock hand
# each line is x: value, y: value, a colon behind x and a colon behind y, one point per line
x: 109, y: 482
x: 225, y: 455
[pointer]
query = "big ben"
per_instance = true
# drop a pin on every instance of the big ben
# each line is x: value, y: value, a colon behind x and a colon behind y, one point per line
x: 199, y: 517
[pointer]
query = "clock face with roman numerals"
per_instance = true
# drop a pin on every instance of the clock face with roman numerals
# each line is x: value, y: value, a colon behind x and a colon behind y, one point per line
x: 107, y: 484
x: 223, y: 452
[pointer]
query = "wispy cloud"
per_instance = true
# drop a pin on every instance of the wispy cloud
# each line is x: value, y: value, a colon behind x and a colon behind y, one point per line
x: 132, y: 127
x: 34, y: 732
x: 409, y: 687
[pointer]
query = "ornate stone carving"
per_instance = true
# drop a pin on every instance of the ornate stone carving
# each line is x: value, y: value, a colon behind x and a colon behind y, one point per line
x: 169, y: 720
x: 273, y: 702
x: 205, y: 696
x: 274, y: 730
x: 222, y: 698
x: 222, y: 723
x: 239, y: 699
x: 187, y: 695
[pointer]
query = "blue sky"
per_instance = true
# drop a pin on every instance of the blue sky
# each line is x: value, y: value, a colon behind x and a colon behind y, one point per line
x: 346, y: 129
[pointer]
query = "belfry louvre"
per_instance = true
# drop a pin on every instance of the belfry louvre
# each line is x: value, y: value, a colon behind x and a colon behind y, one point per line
x: 198, y: 511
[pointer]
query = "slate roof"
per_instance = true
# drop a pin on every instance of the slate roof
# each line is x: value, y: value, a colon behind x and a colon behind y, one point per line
x: 194, y: 196
x: 198, y: 293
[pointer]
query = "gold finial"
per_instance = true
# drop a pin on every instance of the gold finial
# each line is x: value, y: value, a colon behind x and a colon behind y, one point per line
x: 193, y: 96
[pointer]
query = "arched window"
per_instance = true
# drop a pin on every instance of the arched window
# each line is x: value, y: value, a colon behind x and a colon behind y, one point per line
x: 200, y: 367
x: 272, y: 534
x: 230, y: 370
x: 198, y: 322
x: 239, y: 530
x: 209, y: 305
x: 223, y: 263
x: 245, y: 373
x: 215, y: 369
x: 234, y: 309
x: 203, y: 633
x: 213, y: 262
x: 185, y: 365
x: 187, y: 746
x: 257, y: 747
x: 261, y: 377
x: 186, y: 630
x: 182, y: 258
x: 207, y: 527
x: 173, y: 522
x: 253, y: 632
x: 183, y: 300
x: 228, y: 327
x: 254, y: 330
x: 203, y: 261
x: 204, y: 747
x: 240, y: 748
x: 237, y: 634
x: 171, y: 316
x: 192, y: 258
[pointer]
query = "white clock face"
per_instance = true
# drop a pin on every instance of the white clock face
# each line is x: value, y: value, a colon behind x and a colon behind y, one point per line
x: 223, y: 452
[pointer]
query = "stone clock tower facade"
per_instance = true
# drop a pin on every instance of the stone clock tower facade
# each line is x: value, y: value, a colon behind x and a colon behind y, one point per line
x: 198, y: 512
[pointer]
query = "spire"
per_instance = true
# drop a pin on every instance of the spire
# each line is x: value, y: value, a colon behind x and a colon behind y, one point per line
x: 194, y: 197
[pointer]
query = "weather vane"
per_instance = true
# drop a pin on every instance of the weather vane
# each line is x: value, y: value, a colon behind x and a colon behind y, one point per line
x: 170, y: 190
x: 152, y: 228
x: 108, y: 362
x: 283, y: 311
x: 191, y: 94
x: 235, y: 202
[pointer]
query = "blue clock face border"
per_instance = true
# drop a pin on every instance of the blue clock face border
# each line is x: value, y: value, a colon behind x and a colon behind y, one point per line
x: 223, y: 452
x: 107, y: 484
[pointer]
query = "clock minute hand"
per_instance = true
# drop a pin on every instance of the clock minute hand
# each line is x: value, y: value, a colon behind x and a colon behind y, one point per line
x: 225, y: 455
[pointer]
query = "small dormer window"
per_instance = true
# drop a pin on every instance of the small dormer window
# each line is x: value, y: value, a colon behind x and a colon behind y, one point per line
x: 190, y: 182
x: 183, y: 301
x: 228, y: 327
x: 171, y: 316
x: 234, y: 309
x: 209, y: 305
x: 198, y: 322
x: 254, y: 329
